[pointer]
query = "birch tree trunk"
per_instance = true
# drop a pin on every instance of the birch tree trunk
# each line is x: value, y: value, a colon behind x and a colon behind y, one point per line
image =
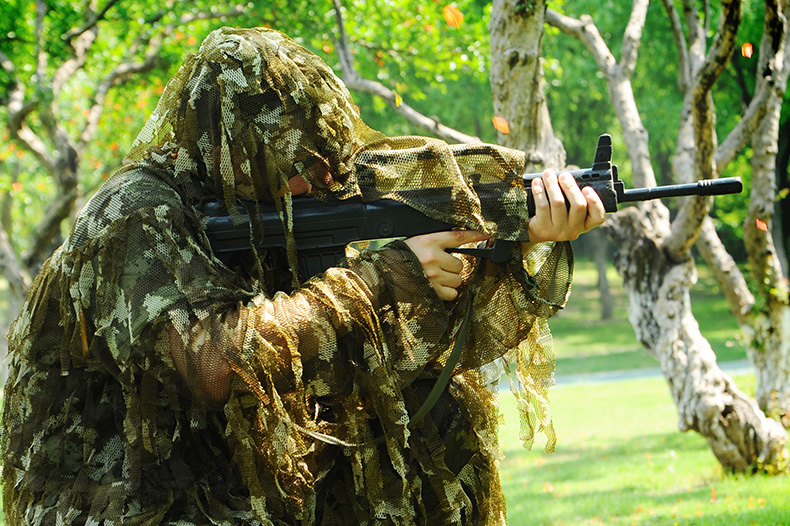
x: 769, y: 349
x: 654, y: 254
x: 767, y: 327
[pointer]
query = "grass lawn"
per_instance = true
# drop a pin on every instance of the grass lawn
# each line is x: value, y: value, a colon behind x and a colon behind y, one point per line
x: 621, y: 460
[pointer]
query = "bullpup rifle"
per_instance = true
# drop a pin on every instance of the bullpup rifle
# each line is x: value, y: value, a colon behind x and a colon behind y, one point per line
x: 323, y: 229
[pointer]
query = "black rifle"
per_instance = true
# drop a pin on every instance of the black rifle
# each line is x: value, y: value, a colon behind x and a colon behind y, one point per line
x: 322, y: 230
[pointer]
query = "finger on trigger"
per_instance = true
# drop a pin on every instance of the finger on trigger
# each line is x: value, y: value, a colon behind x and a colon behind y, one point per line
x: 554, y: 192
x: 595, y: 209
x: 462, y: 237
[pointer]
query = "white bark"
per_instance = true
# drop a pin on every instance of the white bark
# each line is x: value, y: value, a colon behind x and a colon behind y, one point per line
x: 739, y: 434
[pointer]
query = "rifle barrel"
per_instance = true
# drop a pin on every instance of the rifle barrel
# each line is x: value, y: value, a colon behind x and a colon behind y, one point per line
x: 725, y: 185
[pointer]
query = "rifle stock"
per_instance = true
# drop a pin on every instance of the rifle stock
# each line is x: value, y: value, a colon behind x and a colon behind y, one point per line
x: 322, y: 230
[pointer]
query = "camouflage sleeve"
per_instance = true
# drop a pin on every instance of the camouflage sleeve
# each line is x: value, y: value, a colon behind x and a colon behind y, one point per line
x: 320, y: 331
x: 213, y: 322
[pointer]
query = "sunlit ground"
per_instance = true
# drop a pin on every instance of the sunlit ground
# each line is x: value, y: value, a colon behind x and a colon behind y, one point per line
x: 621, y: 460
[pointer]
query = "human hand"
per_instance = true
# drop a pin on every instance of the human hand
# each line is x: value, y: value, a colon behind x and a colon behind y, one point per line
x: 443, y: 269
x: 556, y: 220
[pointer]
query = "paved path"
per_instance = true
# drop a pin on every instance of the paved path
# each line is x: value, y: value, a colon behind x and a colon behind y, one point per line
x: 733, y: 368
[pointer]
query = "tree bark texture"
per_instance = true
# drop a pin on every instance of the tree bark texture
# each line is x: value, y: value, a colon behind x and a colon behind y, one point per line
x: 739, y: 434
x: 516, y: 29
x: 769, y: 349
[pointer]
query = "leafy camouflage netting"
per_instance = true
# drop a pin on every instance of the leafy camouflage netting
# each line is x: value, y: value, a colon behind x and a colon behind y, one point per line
x: 150, y: 383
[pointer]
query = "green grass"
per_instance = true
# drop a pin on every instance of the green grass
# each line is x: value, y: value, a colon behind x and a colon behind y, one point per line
x: 584, y: 343
x: 621, y: 460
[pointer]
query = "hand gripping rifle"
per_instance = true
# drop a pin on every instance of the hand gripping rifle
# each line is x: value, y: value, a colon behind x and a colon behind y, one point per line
x: 323, y: 229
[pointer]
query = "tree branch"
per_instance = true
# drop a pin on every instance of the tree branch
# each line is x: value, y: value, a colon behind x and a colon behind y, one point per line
x: 18, y: 279
x: 41, y: 57
x: 80, y: 47
x: 48, y: 228
x: 355, y: 82
x: 125, y: 71
x: 721, y: 50
x: 585, y: 30
x: 741, y: 133
x: 587, y: 33
x: 632, y: 37
x: 696, y: 37
x: 739, y: 297
x: 618, y: 83
x: 92, y: 21
x: 684, y: 68
x: 699, y: 101
x: 18, y: 112
x: 773, y: 55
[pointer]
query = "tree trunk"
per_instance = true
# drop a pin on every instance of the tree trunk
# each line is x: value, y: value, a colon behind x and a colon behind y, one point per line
x: 740, y: 436
x: 770, y: 346
x: 782, y: 211
x: 601, y: 248
x: 516, y: 30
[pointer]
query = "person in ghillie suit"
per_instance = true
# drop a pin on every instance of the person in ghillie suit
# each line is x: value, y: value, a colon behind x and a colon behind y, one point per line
x: 153, y: 383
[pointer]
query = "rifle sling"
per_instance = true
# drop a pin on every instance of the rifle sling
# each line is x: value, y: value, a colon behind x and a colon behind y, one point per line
x: 447, y: 370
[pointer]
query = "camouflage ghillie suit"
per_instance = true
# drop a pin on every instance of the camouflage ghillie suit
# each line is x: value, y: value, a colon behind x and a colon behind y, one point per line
x: 152, y: 383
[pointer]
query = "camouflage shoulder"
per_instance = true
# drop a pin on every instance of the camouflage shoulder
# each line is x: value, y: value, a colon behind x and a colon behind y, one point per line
x: 121, y: 195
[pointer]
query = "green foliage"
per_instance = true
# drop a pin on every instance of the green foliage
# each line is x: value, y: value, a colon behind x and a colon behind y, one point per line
x: 20, y: 182
x: 443, y: 71
x: 580, y: 106
x: 576, y: 91
x: 440, y: 70
x: 408, y: 45
x: 729, y: 211
x: 25, y: 189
